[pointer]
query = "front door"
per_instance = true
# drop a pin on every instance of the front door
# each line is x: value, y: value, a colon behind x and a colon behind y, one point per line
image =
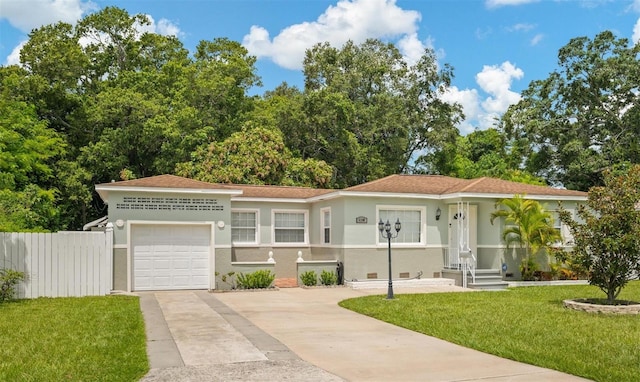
x: 463, y: 233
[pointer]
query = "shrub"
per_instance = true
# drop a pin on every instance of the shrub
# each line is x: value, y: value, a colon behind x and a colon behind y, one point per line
x: 309, y: 278
x: 8, y: 281
x: 256, y: 280
x: 607, y: 238
x: 328, y: 278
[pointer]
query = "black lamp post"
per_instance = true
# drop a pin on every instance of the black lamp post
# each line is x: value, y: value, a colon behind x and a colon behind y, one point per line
x: 385, y: 232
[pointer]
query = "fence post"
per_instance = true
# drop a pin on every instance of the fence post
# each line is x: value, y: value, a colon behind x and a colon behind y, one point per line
x: 109, y: 257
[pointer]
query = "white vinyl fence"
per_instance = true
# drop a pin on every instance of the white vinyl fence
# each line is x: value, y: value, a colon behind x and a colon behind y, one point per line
x: 61, y: 264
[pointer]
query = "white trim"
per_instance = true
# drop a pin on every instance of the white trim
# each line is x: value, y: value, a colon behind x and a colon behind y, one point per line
x: 120, y: 246
x: 322, y: 226
x: 270, y: 200
x: 273, y: 227
x: 170, y: 190
x: 212, y: 254
x: 257, y: 227
x: 401, y: 195
x: 463, y: 195
x: 104, y: 190
x: 423, y: 224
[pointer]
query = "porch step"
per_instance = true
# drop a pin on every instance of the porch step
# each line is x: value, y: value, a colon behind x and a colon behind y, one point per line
x: 487, y: 279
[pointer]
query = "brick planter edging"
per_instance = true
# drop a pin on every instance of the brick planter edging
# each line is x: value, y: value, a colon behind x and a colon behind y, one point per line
x: 579, y: 304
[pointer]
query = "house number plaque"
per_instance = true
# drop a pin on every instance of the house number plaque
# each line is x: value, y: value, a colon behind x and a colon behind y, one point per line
x: 361, y: 220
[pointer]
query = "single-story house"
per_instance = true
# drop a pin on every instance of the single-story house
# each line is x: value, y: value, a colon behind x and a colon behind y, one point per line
x: 177, y: 233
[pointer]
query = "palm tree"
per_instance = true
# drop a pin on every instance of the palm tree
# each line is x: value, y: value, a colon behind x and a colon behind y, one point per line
x: 528, y: 225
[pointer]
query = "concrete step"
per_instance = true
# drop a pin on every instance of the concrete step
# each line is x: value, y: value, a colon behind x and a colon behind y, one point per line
x: 487, y: 279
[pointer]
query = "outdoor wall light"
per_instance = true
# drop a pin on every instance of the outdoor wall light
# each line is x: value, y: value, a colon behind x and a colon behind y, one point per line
x: 385, y: 232
x: 438, y: 213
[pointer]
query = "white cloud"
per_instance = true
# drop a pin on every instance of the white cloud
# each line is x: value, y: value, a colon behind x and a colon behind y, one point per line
x: 522, y: 27
x: 26, y: 15
x: 482, y: 113
x: 14, y: 56
x: 167, y: 28
x: 496, y: 81
x: 355, y: 20
x: 481, y: 34
x: 470, y: 101
x: 636, y: 33
x: 412, y: 48
x: 503, y: 3
x: 163, y: 27
x: 536, y: 39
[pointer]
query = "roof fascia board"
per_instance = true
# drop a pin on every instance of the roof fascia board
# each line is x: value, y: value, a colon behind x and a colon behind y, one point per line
x: 170, y: 190
x: 270, y: 200
x: 506, y: 196
x: 388, y: 195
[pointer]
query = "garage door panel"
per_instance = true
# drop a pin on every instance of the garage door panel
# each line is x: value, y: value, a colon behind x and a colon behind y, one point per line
x: 171, y: 257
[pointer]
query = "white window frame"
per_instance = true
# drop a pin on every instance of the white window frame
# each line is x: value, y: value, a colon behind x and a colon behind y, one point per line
x: 257, y: 227
x: 323, y: 226
x: 291, y: 211
x: 423, y: 225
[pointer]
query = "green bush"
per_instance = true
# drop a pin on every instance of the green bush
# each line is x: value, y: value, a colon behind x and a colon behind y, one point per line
x: 256, y: 280
x: 8, y: 281
x: 309, y: 278
x: 328, y: 278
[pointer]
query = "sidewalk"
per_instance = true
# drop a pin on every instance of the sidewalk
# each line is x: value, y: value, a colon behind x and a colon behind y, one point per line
x: 303, y: 335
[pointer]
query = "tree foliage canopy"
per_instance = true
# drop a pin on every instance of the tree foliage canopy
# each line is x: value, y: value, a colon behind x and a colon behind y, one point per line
x: 585, y: 117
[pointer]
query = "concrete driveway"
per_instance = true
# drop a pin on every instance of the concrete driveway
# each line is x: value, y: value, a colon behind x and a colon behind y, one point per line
x: 299, y: 334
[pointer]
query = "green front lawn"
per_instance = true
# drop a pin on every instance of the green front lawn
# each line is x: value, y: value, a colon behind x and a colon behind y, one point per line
x: 527, y: 324
x: 72, y: 339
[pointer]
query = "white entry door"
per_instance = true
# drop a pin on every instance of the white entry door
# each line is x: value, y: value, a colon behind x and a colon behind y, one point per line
x: 169, y: 257
x: 462, y: 218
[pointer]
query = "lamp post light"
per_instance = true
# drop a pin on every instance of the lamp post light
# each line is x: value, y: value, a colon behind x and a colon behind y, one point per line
x: 385, y: 232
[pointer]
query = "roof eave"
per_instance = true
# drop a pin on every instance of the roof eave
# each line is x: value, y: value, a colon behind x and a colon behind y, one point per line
x: 272, y: 200
x: 103, y: 190
x: 459, y: 195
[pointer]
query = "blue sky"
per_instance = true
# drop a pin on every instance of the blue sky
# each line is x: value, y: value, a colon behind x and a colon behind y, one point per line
x: 497, y: 47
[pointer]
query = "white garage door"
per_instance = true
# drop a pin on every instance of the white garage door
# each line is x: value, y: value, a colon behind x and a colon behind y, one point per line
x: 170, y: 256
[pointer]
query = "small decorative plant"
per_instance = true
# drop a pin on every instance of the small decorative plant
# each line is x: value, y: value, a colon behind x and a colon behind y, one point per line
x: 228, y: 278
x: 9, y: 278
x: 309, y: 278
x: 259, y: 279
x: 328, y: 278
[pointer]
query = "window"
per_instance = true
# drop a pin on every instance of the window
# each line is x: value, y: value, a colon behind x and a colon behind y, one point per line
x: 562, y: 228
x: 290, y: 227
x: 412, y: 220
x: 326, y: 225
x: 244, y: 226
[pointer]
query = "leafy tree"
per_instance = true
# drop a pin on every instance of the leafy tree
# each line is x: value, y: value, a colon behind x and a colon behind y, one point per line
x: 368, y: 113
x: 30, y: 209
x: 584, y: 117
x: 223, y: 73
x: 479, y: 154
x: 607, y: 238
x: 26, y: 146
x: 529, y: 226
x: 255, y: 155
